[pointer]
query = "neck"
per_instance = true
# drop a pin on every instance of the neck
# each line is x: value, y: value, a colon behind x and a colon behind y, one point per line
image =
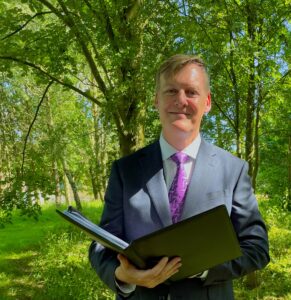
x: 181, y: 140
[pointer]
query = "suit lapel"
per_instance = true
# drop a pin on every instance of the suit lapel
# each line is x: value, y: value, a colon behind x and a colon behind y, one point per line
x: 203, y: 168
x: 153, y: 177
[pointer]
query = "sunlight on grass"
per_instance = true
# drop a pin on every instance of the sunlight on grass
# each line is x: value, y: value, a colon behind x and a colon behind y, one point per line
x: 4, y: 280
x: 21, y: 255
x: 21, y: 243
x: 50, y: 257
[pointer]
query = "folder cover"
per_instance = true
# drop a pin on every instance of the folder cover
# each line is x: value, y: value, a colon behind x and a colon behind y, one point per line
x: 202, y: 241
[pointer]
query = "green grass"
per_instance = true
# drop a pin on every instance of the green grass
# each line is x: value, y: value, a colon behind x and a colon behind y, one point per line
x: 27, y: 231
x: 19, y: 246
x: 48, y: 259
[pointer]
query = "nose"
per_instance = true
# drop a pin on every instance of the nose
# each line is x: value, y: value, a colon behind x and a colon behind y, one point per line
x: 181, y: 99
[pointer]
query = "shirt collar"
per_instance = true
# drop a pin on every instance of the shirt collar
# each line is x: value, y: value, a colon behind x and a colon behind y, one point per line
x: 168, y: 150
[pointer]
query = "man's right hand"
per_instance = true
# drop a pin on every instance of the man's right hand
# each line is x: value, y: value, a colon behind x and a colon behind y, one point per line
x: 163, y: 270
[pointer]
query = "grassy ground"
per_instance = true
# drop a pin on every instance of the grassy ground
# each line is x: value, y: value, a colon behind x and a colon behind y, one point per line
x: 48, y: 259
x: 19, y: 246
x: 35, y: 253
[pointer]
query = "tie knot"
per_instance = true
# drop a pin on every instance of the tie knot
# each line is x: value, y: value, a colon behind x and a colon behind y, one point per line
x: 180, y: 158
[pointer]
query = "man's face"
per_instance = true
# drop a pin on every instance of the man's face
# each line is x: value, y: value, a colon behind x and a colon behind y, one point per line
x: 182, y: 101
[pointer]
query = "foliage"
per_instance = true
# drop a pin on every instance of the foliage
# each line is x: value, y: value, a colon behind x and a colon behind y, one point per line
x: 245, y: 45
x: 82, y: 73
x: 274, y: 280
x: 275, y: 152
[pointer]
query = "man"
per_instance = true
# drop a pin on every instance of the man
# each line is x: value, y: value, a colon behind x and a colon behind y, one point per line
x: 141, y: 196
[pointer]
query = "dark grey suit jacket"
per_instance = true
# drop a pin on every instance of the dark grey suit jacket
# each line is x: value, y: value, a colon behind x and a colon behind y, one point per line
x: 136, y: 204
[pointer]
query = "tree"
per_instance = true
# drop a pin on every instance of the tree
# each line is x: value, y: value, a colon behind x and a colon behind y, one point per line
x: 110, y: 41
x: 245, y: 46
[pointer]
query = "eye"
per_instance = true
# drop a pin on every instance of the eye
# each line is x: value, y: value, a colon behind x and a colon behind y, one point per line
x: 171, y: 91
x: 191, y: 93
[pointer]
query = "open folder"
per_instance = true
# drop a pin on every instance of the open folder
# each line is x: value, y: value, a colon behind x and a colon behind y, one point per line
x: 202, y: 241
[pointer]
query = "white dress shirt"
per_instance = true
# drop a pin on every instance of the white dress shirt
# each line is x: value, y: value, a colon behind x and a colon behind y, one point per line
x: 170, y: 167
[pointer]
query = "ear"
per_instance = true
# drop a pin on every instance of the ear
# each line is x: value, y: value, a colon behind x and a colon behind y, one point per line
x: 208, y: 103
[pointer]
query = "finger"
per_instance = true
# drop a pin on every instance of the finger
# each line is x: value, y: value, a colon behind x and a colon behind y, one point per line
x: 120, y: 257
x: 123, y: 260
x: 172, y: 267
x: 171, y: 270
x: 165, y: 274
x: 158, y: 268
x: 160, y: 272
x: 174, y: 263
x: 165, y: 269
x: 161, y: 264
x: 175, y: 260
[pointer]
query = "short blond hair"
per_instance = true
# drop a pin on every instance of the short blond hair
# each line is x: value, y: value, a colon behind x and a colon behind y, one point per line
x: 175, y: 63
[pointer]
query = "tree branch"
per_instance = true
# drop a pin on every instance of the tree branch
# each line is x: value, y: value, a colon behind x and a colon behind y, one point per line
x: 69, y: 21
x: 225, y: 115
x: 108, y: 25
x: 39, y: 69
x: 30, y: 126
x: 106, y: 18
x: 279, y: 81
x: 52, y: 8
x: 25, y: 24
x: 95, y: 51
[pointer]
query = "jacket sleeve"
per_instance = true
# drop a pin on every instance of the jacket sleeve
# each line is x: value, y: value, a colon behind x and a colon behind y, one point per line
x: 251, y: 232
x: 104, y: 261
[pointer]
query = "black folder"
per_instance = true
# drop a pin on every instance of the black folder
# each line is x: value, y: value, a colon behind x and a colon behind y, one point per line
x: 202, y: 241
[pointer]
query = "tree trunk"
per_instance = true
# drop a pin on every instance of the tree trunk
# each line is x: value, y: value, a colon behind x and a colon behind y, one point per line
x: 219, y: 134
x: 57, y: 184
x: 257, y: 140
x: 98, y: 170
x: 93, y: 182
x: 236, y: 98
x: 67, y: 190
x: 72, y: 184
x: 289, y: 175
x: 251, y: 279
x: 131, y: 137
x: 249, y: 143
x: 36, y: 197
x: 54, y: 155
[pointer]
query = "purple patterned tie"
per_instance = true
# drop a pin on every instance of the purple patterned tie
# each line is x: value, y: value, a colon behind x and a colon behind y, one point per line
x: 178, y: 188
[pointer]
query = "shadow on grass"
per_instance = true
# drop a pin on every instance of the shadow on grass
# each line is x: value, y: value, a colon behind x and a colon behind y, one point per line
x: 272, y: 285
x: 16, y: 280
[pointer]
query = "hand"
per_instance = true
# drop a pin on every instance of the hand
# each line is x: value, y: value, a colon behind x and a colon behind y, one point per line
x: 164, y: 269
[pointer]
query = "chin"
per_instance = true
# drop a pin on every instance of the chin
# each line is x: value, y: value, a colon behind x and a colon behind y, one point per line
x: 182, y: 126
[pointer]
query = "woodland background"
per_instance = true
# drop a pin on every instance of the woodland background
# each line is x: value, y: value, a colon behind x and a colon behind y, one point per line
x: 76, y: 93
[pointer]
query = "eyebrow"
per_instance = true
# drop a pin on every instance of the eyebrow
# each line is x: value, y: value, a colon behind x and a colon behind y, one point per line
x: 185, y: 86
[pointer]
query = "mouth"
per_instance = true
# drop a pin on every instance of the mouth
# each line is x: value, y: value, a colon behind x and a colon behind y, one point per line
x: 180, y: 114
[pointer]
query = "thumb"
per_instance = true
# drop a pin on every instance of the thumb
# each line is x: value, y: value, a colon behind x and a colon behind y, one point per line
x: 123, y: 260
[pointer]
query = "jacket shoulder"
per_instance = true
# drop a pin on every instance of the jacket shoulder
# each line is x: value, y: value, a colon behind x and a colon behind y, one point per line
x: 224, y: 154
x: 151, y: 148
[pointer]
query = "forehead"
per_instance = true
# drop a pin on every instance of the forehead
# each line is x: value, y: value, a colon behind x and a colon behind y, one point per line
x: 191, y: 74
